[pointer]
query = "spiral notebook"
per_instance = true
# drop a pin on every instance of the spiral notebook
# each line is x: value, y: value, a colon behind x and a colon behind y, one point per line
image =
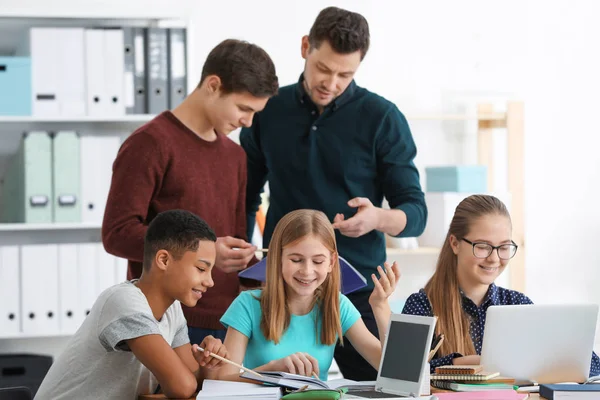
x: 481, y: 376
x: 459, y: 369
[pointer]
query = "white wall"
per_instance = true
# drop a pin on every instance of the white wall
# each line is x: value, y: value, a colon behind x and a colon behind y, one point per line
x: 439, y: 56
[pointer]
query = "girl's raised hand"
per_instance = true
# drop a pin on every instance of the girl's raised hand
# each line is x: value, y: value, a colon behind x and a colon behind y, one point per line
x: 385, y: 285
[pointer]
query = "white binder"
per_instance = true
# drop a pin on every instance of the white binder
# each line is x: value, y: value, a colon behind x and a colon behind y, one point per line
x: 121, y: 266
x: 10, y: 317
x: 43, y: 47
x: 97, y: 156
x: 86, y: 276
x: 95, y: 92
x: 57, y: 70
x: 71, y: 72
x: 105, y: 269
x: 104, y: 64
x: 39, y: 289
x: 70, y: 313
x: 114, y: 71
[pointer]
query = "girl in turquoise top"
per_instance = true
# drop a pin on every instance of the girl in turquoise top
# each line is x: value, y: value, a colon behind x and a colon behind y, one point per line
x: 294, y: 323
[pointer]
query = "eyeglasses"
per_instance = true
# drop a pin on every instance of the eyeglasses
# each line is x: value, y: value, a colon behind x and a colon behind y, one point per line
x: 484, y: 250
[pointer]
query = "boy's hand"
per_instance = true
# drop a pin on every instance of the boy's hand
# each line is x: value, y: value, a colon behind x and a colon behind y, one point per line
x: 210, y: 346
x: 385, y: 285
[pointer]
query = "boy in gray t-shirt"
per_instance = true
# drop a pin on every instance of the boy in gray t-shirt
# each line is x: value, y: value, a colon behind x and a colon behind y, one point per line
x: 135, y: 336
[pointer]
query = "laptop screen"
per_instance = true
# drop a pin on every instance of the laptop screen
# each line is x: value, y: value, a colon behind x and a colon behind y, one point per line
x: 403, y: 358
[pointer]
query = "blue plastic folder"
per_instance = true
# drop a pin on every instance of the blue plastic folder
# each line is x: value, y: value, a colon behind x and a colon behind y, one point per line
x: 352, y: 280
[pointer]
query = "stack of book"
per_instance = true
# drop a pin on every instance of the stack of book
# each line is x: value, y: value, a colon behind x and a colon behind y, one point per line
x: 469, y: 378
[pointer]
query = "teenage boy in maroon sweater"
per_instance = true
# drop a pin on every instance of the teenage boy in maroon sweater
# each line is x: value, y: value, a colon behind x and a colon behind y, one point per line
x: 184, y: 160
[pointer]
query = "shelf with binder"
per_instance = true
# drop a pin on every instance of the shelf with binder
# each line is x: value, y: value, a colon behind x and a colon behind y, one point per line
x: 68, y: 68
x: 75, y: 120
x: 92, y: 81
x: 487, y: 120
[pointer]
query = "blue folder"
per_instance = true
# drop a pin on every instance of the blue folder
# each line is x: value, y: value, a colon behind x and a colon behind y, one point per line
x: 548, y: 391
x: 352, y: 280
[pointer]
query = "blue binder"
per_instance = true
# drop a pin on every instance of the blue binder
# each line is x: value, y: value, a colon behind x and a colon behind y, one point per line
x: 549, y: 391
x: 352, y: 280
x: 15, y: 86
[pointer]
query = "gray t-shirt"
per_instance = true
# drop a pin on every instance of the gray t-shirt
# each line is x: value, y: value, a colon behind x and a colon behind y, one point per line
x: 97, y: 363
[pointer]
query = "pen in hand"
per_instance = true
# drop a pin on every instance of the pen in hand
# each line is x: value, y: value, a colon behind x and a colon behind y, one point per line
x: 232, y: 363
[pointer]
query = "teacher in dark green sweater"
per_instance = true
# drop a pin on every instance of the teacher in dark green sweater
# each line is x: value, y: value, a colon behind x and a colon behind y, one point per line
x: 325, y: 143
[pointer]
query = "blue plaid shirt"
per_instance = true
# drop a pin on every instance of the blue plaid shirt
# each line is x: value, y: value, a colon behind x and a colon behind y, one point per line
x: 418, y: 304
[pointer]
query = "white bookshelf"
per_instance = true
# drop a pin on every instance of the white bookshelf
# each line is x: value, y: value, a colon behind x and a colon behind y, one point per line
x: 14, y: 22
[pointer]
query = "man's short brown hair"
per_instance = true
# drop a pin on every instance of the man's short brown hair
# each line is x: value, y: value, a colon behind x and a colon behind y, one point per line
x: 242, y: 67
x: 345, y: 31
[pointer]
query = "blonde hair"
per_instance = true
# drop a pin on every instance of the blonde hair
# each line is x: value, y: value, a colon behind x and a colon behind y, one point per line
x: 443, y: 290
x: 276, y: 315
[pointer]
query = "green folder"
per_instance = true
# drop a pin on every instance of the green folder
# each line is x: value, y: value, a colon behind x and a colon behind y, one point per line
x: 66, y: 177
x: 27, y: 187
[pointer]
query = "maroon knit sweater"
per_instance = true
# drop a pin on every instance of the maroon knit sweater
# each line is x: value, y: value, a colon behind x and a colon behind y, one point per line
x: 163, y: 166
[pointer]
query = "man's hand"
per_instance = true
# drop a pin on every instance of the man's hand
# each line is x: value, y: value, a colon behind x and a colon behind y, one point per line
x: 233, y: 254
x: 364, y: 221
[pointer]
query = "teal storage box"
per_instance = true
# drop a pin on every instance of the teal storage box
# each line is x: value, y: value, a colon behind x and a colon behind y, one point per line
x: 457, y: 178
x: 15, y: 86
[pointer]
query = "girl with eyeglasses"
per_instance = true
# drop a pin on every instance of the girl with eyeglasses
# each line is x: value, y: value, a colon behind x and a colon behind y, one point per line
x: 476, y: 251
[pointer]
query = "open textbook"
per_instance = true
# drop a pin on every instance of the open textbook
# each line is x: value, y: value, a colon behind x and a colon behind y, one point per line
x: 293, y: 381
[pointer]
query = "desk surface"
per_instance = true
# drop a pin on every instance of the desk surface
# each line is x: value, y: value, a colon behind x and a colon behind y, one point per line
x: 532, y: 396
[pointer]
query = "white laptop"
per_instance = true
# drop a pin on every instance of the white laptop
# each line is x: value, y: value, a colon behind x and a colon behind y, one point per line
x: 405, y: 352
x: 540, y: 343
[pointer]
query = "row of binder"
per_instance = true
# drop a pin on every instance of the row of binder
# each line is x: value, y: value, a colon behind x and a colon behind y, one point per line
x: 49, y: 289
x: 99, y: 72
x: 58, y: 177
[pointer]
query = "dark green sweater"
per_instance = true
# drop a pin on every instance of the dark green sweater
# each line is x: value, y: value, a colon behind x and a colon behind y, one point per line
x: 360, y: 146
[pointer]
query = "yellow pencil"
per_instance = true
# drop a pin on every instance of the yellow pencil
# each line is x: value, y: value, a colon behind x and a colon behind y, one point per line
x: 436, y: 348
x: 232, y: 363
